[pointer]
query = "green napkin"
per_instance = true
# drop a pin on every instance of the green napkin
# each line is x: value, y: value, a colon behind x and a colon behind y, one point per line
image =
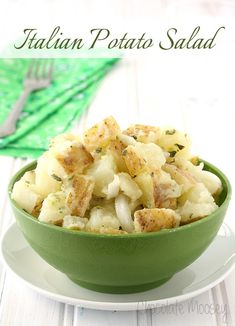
x: 50, y: 111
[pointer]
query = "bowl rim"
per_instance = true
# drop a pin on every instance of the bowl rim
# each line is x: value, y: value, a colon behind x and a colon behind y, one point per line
x: 162, y: 232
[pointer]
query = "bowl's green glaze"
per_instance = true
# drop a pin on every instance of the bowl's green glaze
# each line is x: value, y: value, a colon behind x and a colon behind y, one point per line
x: 121, y: 263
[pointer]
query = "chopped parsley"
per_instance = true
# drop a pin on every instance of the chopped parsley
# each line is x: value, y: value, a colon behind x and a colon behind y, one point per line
x: 179, y: 146
x: 60, y: 210
x: 98, y: 150
x: 172, y: 153
x: 170, y: 132
x: 56, y: 177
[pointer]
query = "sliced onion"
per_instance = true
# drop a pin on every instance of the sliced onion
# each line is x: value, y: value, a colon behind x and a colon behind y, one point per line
x: 123, y: 212
x: 127, y: 140
x: 113, y: 187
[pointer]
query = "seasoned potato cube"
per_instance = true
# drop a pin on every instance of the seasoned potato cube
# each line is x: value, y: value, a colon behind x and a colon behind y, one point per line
x: 191, y: 212
x: 70, y: 153
x: 54, y: 209
x: 134, y: 162
x: 78, y: 192
x: 143, y: 157
x: 48, y: 175
x: 98, y: 137
x: 156, y: 219
x: 197, y: 194
x: 145, y: 182
x: 25, y: 194
x: 49, y: 163
x: 102, y: 218
x: 176, y: 143
x: 143, y: 134
x: 74, y: 222
x: 62, y: 142
x: 75, y: 159
x: 196, y: 203
x: 29, y: 176
x: 182, y: 177
x: 210, y: 180
x: 115, y: 148
x: 153, y: 155
x: 110, y: 231
x: 165, y: 190
x: 103, y: 172
x: 159, y: 190
x: 129, y: 187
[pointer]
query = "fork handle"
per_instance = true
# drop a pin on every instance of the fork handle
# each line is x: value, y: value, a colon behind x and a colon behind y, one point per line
x: 9, y: 126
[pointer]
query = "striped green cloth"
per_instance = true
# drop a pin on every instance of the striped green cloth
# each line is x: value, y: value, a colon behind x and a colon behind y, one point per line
x: 50, y: 111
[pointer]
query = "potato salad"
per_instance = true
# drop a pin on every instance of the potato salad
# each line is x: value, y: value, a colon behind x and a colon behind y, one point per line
x: 142, y: 179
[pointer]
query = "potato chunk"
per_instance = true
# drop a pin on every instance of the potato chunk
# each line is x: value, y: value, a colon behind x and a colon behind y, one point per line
x: 135, y: 163
x: 129, y: 187
x: 62, y: 142
x: 210, y: 180
x: 75, y: 159
x: 150, y: 220
x: 115, y: 148
x: 182, y: 177
x: 98, y: 137
x: 48, y: 175
x: 70, y: 153
x: 143, y: 134
x: 29, y: 176
x: 142, y: 157
x: 110, y: 231
x: 54, y: 209
x: 78, y: 192
x: 145, y: 183
x: 102, y: 218
x: 165, y: 190
x: 102, y: 171
x: 176, y: 143
x: 74, y: 222
x: 191, y: 212
x: 196, y: 203
x: 153, y: 155
x: 25, y: 195
x: 159, y: 189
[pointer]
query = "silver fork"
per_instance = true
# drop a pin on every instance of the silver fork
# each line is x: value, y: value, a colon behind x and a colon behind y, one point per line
x: 38, y: 76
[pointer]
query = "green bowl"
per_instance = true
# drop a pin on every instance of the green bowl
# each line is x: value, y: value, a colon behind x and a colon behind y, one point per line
x: 121, y: 263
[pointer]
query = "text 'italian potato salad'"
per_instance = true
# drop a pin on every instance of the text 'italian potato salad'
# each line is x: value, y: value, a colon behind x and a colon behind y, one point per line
x: 142, y: 179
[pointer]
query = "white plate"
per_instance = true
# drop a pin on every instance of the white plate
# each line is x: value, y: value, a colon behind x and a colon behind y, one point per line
x: 207, y: 271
